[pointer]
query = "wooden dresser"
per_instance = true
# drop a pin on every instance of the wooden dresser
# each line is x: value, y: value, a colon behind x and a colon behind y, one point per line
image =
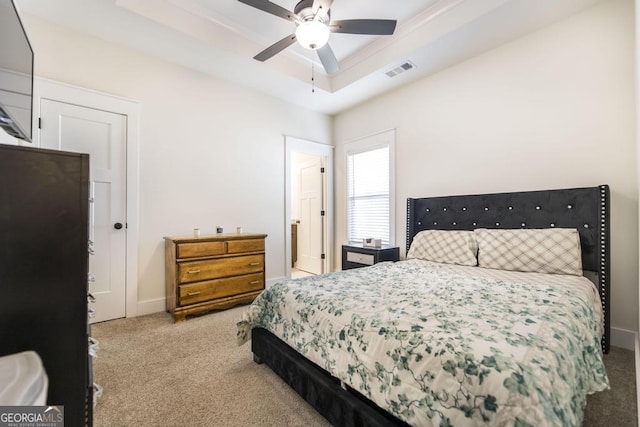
x: 213, y: 272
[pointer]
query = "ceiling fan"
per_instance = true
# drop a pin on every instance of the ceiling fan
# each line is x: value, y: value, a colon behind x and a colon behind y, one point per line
x: 313, y: 27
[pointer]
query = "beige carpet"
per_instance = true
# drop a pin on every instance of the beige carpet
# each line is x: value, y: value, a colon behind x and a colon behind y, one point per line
x: 157, y: 373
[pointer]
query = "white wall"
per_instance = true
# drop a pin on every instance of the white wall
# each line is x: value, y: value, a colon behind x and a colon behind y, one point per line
x: 211, y: 152
x: 554, y: 109
x: 5, y: 138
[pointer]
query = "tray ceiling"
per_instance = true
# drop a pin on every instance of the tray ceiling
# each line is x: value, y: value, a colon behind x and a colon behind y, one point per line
x: 220, y: 38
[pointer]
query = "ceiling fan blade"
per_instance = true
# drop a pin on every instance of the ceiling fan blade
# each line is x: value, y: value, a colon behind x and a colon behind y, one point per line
x: 328, y: 59
x: 324, y: 4
x: 276, y: 48
x: 272, y: 8
x: 378, y: 27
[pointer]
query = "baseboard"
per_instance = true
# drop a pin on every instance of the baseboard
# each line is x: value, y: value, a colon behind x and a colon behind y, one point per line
x: 271, y: 282
x: 638, y: 374
x: 151, y: 306
x: 623, y: 338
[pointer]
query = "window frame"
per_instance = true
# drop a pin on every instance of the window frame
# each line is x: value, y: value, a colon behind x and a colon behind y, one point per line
x: 369, y: 143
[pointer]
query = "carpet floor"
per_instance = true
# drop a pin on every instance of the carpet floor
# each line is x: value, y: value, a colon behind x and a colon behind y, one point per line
x: 157, y: 373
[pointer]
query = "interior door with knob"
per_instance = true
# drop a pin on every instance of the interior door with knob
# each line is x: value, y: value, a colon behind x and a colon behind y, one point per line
x: 310, y: 227
x: 103, y: 135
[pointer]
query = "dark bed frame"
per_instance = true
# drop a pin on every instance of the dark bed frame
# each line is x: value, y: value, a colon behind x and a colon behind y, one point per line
x: 586, y: 209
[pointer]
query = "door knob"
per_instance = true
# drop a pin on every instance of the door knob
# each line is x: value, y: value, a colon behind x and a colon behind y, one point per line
x: 117, y: 225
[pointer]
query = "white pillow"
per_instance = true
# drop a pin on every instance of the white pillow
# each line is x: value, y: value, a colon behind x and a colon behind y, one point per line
x: 445, y: 246
x: 548, y: 250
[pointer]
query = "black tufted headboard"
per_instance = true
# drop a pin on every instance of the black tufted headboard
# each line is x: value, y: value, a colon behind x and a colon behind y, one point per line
x: 586, y: 209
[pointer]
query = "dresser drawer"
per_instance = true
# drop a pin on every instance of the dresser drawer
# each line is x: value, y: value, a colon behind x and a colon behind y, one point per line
x: 212, y: 272
x: 219, y: 288
x: 194, y: 271
x: 365, y: 259
x: 354, y: 256
x: 249, y: 245
x: 200, y: 249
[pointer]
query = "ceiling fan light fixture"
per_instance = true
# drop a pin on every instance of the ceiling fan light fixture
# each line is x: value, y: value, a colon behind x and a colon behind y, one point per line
x: 312, y: 34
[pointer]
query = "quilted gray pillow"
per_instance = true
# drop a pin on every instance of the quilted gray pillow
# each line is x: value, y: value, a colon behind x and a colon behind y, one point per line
x: 548, y: 250
x: 445, y: 246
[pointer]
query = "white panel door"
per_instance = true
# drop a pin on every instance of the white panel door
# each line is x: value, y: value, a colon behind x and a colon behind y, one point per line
x: 310, y: 205
x: 102, y: 134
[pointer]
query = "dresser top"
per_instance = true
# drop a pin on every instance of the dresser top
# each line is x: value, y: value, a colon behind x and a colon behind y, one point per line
x: 216, y: 237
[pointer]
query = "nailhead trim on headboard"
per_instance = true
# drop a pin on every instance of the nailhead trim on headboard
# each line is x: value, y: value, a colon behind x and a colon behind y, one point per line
x: 586, y: 209
x: 603, y: 276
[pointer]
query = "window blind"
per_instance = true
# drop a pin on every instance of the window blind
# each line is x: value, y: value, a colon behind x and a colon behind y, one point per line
x: 368, y: 195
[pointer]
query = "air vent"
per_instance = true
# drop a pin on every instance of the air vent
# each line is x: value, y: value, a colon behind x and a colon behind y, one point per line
x: 401, y: 69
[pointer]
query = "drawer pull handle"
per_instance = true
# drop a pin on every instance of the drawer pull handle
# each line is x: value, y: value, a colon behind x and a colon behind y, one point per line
x: 255, y: 282
x: 193, y: 271
x: 253, y: 264
x: 192, y: 294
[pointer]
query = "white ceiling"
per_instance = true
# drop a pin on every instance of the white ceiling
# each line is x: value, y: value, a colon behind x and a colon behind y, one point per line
x: 220, y: 38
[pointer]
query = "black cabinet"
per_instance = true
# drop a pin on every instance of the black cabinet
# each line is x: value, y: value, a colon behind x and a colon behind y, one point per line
x: 354, y: 256
x: 44, y: 197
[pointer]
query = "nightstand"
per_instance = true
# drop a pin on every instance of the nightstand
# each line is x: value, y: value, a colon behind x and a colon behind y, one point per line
x: 355, y: 256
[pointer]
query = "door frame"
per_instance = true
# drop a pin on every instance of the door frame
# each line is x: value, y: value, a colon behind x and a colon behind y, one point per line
x: 293, y: 144
x: 62, y: 92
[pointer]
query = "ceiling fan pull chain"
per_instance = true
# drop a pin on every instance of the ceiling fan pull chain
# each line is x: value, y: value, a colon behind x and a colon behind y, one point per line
x: 313, y: 80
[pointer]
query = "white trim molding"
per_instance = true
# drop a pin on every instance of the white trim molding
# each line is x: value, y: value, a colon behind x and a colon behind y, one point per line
x: 385, y: 138
x: 293, y: 144
x: 49, y: 89
x: 273, y: 281
x: 151, y: 306
x: 623, y: 338
x: 638, y: 374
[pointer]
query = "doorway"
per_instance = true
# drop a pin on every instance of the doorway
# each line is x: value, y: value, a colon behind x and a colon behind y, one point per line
x: 77, y: 119
x: 307, y: 212
x: 308, y: 206
x: 102, y: 135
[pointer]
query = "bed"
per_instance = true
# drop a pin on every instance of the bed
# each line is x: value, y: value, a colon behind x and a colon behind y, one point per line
x: 427, y: 342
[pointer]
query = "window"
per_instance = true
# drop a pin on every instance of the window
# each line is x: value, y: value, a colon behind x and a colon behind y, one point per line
x: 369, y: 198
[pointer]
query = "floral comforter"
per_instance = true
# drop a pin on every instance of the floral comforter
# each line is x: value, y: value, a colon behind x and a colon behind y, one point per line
x: 436, y: 344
